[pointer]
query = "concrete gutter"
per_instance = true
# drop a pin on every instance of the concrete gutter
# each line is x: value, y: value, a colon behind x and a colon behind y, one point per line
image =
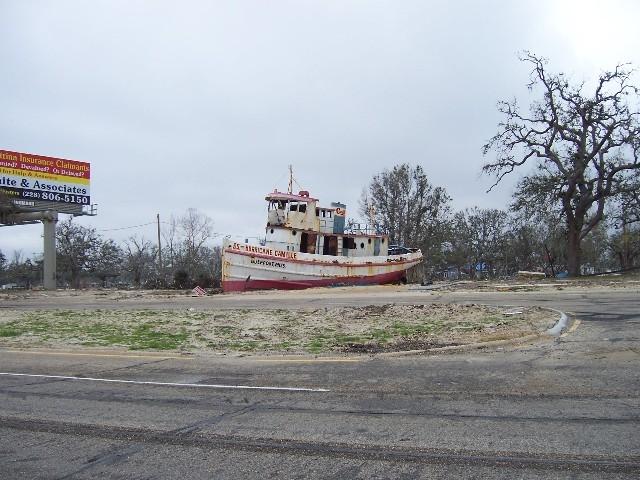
x: 560, y: 325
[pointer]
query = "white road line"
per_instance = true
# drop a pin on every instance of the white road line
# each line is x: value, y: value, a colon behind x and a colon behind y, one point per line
x: 167, y: 384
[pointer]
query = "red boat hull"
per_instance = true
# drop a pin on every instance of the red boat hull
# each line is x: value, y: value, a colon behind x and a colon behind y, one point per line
x: 246, y: 285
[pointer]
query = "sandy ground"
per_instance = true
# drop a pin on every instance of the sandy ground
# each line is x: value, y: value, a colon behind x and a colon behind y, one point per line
x: 370, y: 329
x: 166, y: 320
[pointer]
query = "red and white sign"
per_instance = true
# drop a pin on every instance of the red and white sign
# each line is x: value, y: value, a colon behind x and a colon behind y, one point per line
x: 199, y: 291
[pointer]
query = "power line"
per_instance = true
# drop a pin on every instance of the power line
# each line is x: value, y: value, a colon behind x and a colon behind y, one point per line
x: 126, y: 228
x: 214, y: 234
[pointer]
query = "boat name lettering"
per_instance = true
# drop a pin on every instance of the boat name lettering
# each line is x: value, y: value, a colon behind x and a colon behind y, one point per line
x: 264, y: 250
x: 267, y: 263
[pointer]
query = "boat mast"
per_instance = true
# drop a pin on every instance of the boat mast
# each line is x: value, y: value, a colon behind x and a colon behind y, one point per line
x: 290, y: 179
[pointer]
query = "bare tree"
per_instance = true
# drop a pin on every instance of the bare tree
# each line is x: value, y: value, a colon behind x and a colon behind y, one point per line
x: 479, y: 241
x: 585, y: 146
x: 171, y: 243
x: 139, y: 257
x: 18, y: 257
x: 77, y: 248
x: 3, y: 262
x: 108, y: 261
x: 196, y: 229
x: 21, y: 270
x: 407, y: 207
x: 624, y: 244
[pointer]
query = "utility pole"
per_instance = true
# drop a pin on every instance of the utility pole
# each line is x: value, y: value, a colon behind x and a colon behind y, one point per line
x: 159, y: 246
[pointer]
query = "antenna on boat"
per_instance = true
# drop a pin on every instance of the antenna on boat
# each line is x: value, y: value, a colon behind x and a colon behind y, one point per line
x: 372, y: 216
x: 292, y: 181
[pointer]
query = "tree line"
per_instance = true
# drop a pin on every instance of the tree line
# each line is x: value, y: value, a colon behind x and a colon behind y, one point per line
x: 86, y: 258
x: 483, y: 243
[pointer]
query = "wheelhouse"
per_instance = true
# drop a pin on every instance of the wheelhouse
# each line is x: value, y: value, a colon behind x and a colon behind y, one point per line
x: 297, y: 223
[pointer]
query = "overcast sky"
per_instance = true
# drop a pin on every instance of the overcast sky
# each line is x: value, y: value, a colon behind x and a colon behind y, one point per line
x: 205, y: 103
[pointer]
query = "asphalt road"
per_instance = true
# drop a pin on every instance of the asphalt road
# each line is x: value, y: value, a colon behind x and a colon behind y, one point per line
x: 563, y: 408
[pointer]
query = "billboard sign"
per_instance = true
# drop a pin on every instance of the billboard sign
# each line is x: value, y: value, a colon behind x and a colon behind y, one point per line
x: 35, y: 178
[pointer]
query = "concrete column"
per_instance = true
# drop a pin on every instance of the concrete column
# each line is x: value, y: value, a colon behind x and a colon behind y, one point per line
x: 49, y: 264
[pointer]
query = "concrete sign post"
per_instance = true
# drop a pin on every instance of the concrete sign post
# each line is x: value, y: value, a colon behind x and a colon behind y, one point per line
x: 49, y: 264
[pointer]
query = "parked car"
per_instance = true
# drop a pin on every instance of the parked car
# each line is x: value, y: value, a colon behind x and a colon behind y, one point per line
x: 400, y: 249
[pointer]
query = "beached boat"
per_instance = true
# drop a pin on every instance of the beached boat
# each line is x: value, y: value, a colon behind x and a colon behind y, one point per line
x: 307, y: 246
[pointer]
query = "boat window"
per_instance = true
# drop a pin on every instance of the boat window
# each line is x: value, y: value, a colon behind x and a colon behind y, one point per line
x: 369, y: 241
x: 302, y: 207
x: 317, y: 212
x: 293, y: 207
x: 329, y: 213
x: 362, y: 245
x: 272, y: 231
x: 293, y: 232
x: 349, y: 243
x: 383, y: 240
x: 308, y: 242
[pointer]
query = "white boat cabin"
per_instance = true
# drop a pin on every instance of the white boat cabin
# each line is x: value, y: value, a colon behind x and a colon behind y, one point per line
x: 296, y: 223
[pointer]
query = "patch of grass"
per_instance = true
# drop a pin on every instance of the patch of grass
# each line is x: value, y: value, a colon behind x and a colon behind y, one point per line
x: 6, y: 331
x: 284, y: 346
x: 380, y: 335
x: 497, y: 320
x: 409, y: 330
x: 226, y: 330
x: 342, y: 339
x: 65, y: 325
x: 316, y: 345
x: 17, y: 328
x: 145, y: 337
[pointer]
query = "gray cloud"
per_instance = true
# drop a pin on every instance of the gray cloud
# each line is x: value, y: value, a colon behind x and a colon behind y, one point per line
x: 204, y: 104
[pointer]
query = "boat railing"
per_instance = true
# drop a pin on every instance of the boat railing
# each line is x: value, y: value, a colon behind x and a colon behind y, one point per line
x: 361, y: 229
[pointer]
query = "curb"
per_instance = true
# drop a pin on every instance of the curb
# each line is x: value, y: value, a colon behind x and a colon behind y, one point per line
x: 468, y: 346
x: 555, y: 331
x: 560, y: 325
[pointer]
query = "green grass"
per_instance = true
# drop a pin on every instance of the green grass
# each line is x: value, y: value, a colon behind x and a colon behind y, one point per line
x: 9, y: 331
x: 63, y: 325
x: 316, y: 345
